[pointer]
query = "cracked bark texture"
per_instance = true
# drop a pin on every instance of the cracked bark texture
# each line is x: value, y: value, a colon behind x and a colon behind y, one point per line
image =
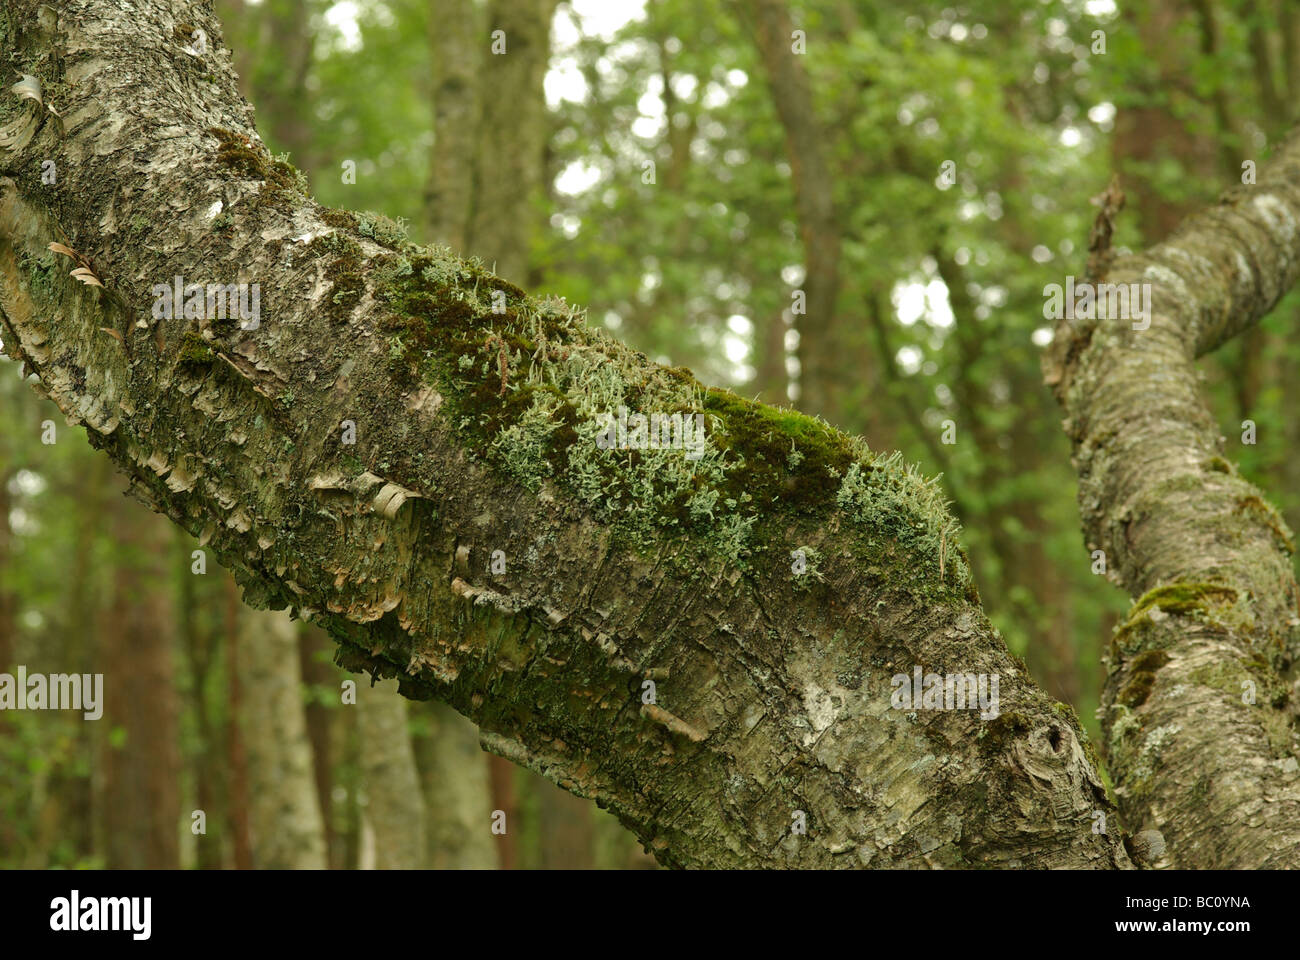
x: 773, y: 696
x: 1206, y: 558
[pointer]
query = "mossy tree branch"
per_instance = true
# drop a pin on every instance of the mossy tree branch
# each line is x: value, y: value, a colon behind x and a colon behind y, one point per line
x: 1200, y: 702
x: 476, y: 412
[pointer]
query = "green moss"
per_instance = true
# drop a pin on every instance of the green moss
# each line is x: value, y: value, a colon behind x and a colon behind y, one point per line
x: 196, y: 357
x: 1269, y: 516
x: 341, y: 219
x: 1138, y: 688
x: 997, y: 735
x: 1183, y: 599
x: 236, y: 152
x: 527, y: 386
x: 1150, y: 660
x: 766, y: 436
x: 1218, y: 465
x: 345, y: 272
x: 41, y: 273
x: 283, y: 183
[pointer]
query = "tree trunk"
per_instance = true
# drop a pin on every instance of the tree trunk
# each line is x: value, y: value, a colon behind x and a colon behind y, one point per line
x: 1198, y: 715
x: 394, y: 807
x: 198, y: 646
x: 285, y: 823
x: 140, y: 802
x: 511, y: 135
x: 457, y: 792
x: 317, y: 675
x: 457, y: 42
x: 238, y: 800
x: 822, y: 359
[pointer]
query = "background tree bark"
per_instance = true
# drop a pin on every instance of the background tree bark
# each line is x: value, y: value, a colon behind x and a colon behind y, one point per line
x: 139, y: 800
x: 286, y: 827
x: 394, y: 808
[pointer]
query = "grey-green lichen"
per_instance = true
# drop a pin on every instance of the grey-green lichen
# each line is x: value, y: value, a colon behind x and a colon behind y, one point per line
x: 532, y: 389
x: 1148, y: 755
x: 894, y: 500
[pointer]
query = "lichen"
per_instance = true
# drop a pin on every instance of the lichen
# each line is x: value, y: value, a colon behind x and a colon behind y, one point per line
x: 381, y: 229
x: 894, y: 500
x: 529, y: 387
x: 1148, y: 757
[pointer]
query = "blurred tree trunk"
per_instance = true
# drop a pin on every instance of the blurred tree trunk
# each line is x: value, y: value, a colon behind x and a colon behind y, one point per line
x: 458, y: 43
x: 139, y: 803
x: 238, y: 798
x: 823, y: 365
x: 285, y: 823
x: 457, y: 791
x: 771, y: 379
x: 394, y: 808
x: 197, y: 643
x: 318, y: 676
x: 512, y: 134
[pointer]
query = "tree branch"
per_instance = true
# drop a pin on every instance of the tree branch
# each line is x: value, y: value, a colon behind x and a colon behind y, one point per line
x: 622, y: 568
x: 1199, y: 705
